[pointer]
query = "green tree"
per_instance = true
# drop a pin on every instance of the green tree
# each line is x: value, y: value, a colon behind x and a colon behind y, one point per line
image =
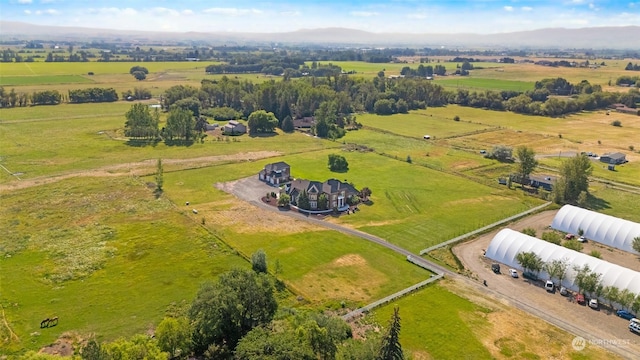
x: 501, y: 153
x: 138, y: 68
x: 223, y: 312
x: 338, y: 163
x: 284, y: 200
x: 180, y: 124
x: 636, y: 243
x: 365, y: 193
x: 557, y: 269
x: 626, y: 298
x: 287, y: 124
x: 323, y: 201
x: 526, y: 161
x: 174, y: 336
x: 390, y: 348
x: 93, y: 351
x: 586, y: 279
x: 159, y: 176
x: 262, y: 122
x: 384, y: 107
x: 574, y: 179
x: 611, y: 293
x: 635, y: 307
x: 264, y: 344
x: 303, y: 200
x: 530, y: 261
x: 139, y: 75
x: 141, y: 123
x: 529, y: 231
x: 138, y: 347
x: 259, y: 261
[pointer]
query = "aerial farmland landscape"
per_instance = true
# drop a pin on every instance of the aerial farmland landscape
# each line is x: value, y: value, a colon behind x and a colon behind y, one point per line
x: 390, y: 180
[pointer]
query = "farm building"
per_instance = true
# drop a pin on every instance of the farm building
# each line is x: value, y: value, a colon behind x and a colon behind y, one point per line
x: 276, y: 173
x: 605, y: 229
x: 508, y: 243
x: 306, y: 122
x: 613, y: 158
x: 233, y: 127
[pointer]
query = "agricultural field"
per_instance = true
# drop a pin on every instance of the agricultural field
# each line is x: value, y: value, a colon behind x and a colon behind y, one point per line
x: 43, y: 80
x: 473, y: 83
x: 87, y: 240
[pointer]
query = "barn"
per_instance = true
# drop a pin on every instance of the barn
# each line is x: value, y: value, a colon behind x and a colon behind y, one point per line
x: 508, y: 243
x: 605, y: 229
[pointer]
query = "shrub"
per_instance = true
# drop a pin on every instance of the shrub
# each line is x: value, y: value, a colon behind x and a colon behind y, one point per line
x: 596, y: 254
x: 552, y: 237
x: 456, y: 118
x: 529, y: 231
x: 616, y: 123
x: 573, y: 245
x: 631, y: 147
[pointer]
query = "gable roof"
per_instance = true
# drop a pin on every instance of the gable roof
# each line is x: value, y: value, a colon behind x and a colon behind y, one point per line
x: 330, y: 186
x: 278, y: 166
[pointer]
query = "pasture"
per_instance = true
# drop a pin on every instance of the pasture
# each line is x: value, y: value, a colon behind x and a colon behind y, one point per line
x: 43, y: 80
x: 94, y: 252
x: 476, y: 83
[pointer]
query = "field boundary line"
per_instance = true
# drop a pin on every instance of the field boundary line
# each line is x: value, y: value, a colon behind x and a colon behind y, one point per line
x: 350, y: 315
x: 484, y: 228
x: 29, y: 67
x: 4, y: 319
x: 10, y: 173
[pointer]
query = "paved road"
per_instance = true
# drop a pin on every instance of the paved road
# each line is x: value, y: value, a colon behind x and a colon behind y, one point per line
x: 251, y: 190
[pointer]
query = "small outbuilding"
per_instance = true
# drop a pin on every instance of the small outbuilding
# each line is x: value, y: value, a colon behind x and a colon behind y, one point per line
x: 276, y: 173
x: 614, y: 158
x: 234, y: 127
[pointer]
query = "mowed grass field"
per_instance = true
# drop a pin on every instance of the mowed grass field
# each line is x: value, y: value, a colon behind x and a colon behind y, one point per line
x: 102, y: 254
x: 476, y: 83
x: 40, y: 80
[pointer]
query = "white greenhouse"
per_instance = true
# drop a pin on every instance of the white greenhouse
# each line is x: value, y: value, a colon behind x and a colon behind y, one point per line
x: 508, y: 243
x: 605, y: 229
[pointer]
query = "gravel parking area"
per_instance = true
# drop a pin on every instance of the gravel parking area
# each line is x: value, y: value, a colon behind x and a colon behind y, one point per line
x: 600, y: 326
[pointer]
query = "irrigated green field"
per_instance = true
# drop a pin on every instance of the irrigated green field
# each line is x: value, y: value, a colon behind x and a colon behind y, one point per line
x: 476, y: 83
x: 42, y: 80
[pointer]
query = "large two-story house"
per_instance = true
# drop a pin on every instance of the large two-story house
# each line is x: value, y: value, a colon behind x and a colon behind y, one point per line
x: 337, y: 193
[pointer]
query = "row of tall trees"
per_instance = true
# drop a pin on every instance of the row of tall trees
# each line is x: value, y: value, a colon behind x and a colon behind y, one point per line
x: 93, y: 95
x: 12, y: 98
x: 588, y: 281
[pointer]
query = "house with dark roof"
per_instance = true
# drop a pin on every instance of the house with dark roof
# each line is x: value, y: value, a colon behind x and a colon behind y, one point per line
x: 336, y: 191
x: 306, y: 122
x: 276, y: 173
x: 614, y: 158
x: 542, y: 181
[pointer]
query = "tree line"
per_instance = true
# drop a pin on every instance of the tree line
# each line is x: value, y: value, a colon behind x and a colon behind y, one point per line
x: 9, y: 99
x: 632, y: 67
x: 588, y: 281
x: 238, y: 317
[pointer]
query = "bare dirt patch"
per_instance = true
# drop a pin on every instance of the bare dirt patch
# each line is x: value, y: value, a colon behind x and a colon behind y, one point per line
x: 64, y: 346
x: 350, y: 260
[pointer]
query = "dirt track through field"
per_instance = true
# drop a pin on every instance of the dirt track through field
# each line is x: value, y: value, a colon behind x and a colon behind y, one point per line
x: 140, y: 168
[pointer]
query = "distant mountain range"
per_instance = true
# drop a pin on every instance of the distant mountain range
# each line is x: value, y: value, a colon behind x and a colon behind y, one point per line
x: 624, y: 37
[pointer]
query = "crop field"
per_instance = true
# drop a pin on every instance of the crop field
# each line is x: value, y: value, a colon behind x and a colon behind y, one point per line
x: 98, y: 68
x: 372, y: 69
x: 85, y: 249
x: 477, y: 83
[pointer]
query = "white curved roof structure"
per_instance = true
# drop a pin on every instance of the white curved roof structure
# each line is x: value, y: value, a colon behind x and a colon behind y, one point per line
x: 508, y: 243
x: 605, y: 229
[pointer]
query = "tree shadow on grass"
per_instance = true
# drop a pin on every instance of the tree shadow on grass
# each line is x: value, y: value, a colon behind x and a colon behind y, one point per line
x: 263, y: 135
x: 181, y: 142
x: 596, y: 203
x: 142, y: 142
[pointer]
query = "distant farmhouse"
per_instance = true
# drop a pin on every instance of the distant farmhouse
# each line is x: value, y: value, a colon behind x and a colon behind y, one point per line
x: 234, y: 127
x: 614, y: 158
x: 306, y: 122
x: 337, y: 192
x: 276, y: 173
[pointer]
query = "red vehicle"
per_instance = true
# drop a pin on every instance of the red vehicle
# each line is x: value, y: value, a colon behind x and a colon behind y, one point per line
x: 580, y: 299
x: 569, y: 236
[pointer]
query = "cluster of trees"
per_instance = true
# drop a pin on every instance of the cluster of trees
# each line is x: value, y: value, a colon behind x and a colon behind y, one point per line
x: 628, y: 81
x: 573, y: 184
x: 288, y: 67
x: 587, y: 281
x: 423, y: 71
x: 14, y: 99
x: 137, y: 94
x: 632, y: 67
x: 338, y: 163
x: 93, y: 95
x: 234, y: 318
x: 139, y: 72
x: 80, y: 56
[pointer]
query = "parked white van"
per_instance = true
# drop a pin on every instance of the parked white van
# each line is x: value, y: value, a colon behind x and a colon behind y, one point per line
x: 634, y: 325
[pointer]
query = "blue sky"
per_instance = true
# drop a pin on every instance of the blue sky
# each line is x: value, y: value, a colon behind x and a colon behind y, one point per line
x: 404, y: 16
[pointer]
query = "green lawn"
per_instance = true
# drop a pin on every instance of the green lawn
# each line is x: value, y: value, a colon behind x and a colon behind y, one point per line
x: 43, y: 79
x: 475, y: 83
x: 103, y: 255
x: 438, y: 324
x: 98, y: 68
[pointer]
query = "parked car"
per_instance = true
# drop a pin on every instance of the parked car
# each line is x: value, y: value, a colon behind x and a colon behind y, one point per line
x: 625, y: 314
x: 634, y: 325
x: 564, y: 291
x: 593, y: 303
x: 549, y: 286
x: 569, y: 236
x: 513, y: 273
x: 582, y: 239
x: 580, y: 299
x: 495, y: 268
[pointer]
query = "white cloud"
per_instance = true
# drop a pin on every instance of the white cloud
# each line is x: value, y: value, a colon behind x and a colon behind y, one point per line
x: 113, y: 11
x: 187, y: 12
x: 508, y: 8
x: 527, y: 8
x: 363, y: 13
x: 232, y: 11
x: 25, y: 1
x: 47, y: 1
x: 48, y: 12
x: 28, y: 12
x: 161, y: 11
x: 417, y: 16
x: 290, y: 13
